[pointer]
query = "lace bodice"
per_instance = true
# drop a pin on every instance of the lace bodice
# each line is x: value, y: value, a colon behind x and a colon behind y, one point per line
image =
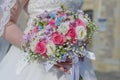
x: 38, y: 6
x: 5, y: 7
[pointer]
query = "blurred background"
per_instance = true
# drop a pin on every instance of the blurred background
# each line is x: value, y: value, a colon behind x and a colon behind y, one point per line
x: 106, y: 41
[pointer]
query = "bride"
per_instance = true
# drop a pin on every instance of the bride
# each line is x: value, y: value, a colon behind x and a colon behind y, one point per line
x: 13, y: 66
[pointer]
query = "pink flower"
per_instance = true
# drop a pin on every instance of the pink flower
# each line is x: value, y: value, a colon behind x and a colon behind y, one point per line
x: 52, y: 22
x: 80, y: 23
x: 61, y: 14
x: 41, y: 48
x: 73, y: 25
x: 73, y: 41
x: 71, y: 33
x: 58, y: 38
x: 35, y: 30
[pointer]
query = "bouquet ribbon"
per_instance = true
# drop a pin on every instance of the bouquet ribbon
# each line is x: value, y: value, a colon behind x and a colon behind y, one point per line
x: 79, y: 68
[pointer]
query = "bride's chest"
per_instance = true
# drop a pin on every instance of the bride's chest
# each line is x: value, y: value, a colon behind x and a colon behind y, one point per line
x: 44, y: 3
x: 37, y: 5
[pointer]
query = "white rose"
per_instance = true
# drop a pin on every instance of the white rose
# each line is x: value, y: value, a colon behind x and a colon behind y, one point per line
x: 51, y: 48
x: 63, y: 28
x: 81, y: 32
x: 33, y: 45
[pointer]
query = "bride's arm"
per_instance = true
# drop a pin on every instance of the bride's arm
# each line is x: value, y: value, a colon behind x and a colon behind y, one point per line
x: 12, y: 33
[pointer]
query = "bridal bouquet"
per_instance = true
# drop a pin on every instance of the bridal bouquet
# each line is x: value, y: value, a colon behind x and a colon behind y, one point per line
x: 58, y: 34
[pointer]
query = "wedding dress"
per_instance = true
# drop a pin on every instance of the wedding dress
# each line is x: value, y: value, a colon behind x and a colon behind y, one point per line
x: 14, y: 66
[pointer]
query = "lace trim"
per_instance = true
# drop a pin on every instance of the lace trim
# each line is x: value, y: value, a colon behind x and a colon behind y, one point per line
x: 5, y: 13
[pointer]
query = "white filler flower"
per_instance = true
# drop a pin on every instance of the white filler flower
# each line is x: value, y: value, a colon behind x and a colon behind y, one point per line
x: 81, y: 32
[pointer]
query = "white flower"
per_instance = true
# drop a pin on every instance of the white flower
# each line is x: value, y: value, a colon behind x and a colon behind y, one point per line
x: 40, y: 33
x: 51, y: 48
x: 81, y: 32
x: 33, y: 45
x: 63, y: 28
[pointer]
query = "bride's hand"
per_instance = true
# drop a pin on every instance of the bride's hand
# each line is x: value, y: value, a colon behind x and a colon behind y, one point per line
x: 61, y: 65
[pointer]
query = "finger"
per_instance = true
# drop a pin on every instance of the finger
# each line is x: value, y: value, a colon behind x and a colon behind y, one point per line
x: 64, y: 69
x: 68, y: 59
x: 65, y: 63
x: 61, y: 68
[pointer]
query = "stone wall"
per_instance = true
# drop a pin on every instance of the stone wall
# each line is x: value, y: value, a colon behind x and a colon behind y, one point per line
x: 106, y: 43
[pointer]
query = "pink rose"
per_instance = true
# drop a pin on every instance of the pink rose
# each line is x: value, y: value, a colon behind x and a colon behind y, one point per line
x: 80, y: 22
x: 41, y: 48
x: 58, y: 38
x: 71, y: 33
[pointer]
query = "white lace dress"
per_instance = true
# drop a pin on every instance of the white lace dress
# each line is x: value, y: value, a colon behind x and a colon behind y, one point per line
x: 13, y: 66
